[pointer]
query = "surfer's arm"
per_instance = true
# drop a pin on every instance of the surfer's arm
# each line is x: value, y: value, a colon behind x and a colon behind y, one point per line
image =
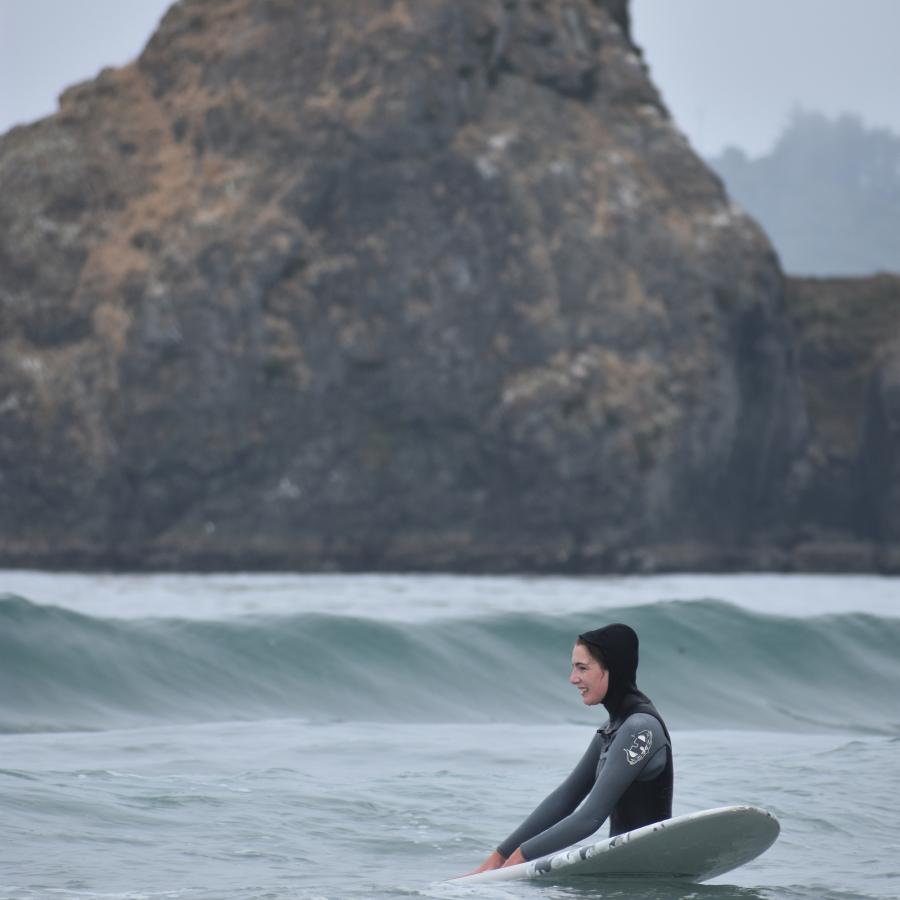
x: 615, y: 777
x: 494, y: 861
x: 559, y: 803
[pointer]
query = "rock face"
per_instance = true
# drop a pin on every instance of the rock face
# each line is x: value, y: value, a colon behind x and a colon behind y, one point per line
x: 844, y: 497
x: 392, y: 284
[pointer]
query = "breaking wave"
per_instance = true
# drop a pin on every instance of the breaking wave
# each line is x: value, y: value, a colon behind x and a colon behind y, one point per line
x: 707, y: 664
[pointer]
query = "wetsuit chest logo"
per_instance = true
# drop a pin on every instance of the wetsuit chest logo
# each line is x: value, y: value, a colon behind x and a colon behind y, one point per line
x: 639, y: 748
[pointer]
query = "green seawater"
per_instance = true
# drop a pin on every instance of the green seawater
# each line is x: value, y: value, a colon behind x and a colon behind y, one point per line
x: 243, y: 737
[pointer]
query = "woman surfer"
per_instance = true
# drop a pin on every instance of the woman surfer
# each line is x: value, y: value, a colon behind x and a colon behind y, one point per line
x: 625, y: 774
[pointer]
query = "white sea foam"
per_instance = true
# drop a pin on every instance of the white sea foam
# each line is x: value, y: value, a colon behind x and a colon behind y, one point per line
x: 417, y: 598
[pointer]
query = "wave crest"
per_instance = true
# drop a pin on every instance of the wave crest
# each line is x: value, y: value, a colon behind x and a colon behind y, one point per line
x: 707, y: 664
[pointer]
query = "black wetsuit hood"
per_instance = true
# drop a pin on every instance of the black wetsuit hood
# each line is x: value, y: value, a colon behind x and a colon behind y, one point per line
x: 618, y: 646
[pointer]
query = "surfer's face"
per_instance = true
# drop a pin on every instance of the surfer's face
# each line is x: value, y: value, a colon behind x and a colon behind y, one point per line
x: 591, y: 679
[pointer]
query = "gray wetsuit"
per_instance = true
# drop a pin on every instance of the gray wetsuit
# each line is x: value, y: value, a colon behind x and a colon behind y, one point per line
x: 619, y: 755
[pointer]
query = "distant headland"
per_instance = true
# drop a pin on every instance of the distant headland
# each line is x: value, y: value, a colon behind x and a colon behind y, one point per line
x: 421, y: 286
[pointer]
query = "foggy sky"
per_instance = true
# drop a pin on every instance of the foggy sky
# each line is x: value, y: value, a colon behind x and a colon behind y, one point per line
x: 730, y: 70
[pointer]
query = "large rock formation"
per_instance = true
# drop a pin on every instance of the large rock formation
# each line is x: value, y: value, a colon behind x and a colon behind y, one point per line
x: 844, y: 506
x: 410, y: 284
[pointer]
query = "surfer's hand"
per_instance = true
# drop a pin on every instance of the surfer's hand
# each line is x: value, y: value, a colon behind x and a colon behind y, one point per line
x: 494, y: 861
x: 515, y: 858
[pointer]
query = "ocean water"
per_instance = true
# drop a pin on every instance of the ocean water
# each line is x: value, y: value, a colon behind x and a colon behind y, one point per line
x: 294, y: 737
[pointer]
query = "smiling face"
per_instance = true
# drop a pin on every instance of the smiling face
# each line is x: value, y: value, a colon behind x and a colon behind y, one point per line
x: 591, y: 679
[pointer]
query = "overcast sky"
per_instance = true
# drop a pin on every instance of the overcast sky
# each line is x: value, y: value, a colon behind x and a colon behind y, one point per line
x: 729, y: 70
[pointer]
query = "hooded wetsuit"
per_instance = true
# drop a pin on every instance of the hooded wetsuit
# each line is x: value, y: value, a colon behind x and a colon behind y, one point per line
x: 626, y: 773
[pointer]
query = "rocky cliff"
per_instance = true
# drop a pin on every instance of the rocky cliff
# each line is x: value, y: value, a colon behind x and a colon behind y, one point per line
x: 397, y: 284
x: 843, y: 509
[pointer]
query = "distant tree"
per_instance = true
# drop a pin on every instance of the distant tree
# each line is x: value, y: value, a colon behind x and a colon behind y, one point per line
x: 827, y: 194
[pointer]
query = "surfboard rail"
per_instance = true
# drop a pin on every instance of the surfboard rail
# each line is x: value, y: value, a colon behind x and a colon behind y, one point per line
x: 694, y: 847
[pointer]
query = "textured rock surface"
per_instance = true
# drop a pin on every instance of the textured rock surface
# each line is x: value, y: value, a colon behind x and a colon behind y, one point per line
x: 847, y: 486
x: 427, y: 284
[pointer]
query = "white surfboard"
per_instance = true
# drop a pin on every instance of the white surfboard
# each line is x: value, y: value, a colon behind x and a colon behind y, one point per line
x: 694, y: 847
